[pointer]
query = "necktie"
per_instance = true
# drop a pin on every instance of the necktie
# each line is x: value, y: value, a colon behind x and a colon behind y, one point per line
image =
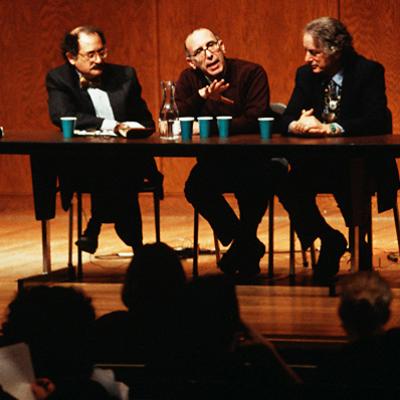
x: 332, y: 95
x: 86, y: 83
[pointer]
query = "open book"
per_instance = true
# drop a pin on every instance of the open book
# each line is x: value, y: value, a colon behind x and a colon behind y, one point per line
x: 132, y: 130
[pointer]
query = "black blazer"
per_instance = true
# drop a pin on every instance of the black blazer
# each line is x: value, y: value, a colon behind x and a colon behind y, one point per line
x: 363, y: 111
x: 65, y: 97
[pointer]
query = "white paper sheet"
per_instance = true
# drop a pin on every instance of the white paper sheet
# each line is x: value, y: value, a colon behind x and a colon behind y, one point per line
x: 16, y: 371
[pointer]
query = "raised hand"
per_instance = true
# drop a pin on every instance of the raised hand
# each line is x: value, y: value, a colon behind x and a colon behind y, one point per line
x: 213, y: 91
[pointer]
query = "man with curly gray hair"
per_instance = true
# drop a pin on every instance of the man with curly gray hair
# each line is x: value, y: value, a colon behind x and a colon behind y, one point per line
x: 338, y: 92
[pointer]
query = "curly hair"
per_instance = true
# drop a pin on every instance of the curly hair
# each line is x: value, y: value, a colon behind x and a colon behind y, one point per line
x: 331, y: 35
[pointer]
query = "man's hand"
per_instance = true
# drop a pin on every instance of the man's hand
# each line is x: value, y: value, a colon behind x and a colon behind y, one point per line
x: 308, y: 123
x: 213, y: 91
x: 196, y: 128
x: 42, y: 388
x: 122, y: 129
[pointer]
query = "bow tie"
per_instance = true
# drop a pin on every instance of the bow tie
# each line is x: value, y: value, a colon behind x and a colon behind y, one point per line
x: 86, y: 83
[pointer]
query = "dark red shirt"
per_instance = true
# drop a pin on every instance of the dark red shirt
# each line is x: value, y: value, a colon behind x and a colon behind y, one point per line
x: 248, y: 89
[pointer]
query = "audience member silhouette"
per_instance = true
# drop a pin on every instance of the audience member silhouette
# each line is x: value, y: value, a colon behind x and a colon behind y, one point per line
x: 218, y: 353
x: 56, y: 324
x: 152, y: 292
x: 371, y: 357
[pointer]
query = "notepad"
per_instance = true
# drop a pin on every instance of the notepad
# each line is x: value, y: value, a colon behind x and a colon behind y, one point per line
x: 94, y: 133
x: 16, y: 371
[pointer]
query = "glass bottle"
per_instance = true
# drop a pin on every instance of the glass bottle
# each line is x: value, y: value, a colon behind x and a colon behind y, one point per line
x: 169, y: 126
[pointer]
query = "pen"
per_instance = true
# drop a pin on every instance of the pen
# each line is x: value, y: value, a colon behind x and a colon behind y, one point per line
x: 225, y: 100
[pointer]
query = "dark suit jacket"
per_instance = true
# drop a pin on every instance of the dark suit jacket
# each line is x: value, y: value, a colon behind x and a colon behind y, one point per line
x: 363, y: 111
x: 67, y: 98
x: 120, y: 82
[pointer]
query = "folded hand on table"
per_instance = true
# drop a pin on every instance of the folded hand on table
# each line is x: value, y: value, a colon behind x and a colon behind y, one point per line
x: 308, y: 123
x: 122, y: 128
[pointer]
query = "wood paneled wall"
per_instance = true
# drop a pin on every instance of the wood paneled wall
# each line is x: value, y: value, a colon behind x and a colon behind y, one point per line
x: 149, y: 35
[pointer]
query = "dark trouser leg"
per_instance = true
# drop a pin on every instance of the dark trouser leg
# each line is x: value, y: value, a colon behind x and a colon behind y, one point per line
x: 254, y: 186
x: 299, y: 200
x: 203, y: 190
x: 298, y: 196
x: 93, y: 227
x: 343, y: 198
x: 252, y: 194
x: 123, y: 209
x: 128, y: 221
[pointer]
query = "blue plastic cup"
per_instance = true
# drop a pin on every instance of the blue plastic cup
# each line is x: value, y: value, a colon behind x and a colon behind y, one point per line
x: 186, y: 127
x: 265, y: 124
x: 223, y: 123
x: 68, y: 126
x: 204, y: 125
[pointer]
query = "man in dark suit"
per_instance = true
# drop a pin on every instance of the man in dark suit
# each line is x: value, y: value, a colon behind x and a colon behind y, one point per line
x: 102, y: 97
x: 337, y: 92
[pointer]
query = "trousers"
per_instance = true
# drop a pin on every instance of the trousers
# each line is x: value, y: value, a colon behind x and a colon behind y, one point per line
x: 252, y: 180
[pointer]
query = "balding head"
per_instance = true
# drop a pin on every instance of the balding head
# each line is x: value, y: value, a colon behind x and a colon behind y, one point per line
x: 205, y: 51
x: 193, y: 35
x: 84, y: 48
x: 70, y: 43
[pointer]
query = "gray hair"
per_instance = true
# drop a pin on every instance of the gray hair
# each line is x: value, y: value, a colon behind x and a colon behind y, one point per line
x: 331, y: 35
x: 365, y: 300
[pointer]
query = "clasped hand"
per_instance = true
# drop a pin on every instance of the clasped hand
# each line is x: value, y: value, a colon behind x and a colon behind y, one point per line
x: 308, y: 123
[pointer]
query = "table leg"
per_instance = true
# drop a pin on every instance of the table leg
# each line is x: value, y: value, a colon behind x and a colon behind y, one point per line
x: 46, y: 254
x: 360, y: 199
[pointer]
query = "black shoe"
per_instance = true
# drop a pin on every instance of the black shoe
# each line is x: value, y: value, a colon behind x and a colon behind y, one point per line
x: 87, y: 244
x: 243, y: 256
x: 230, y: 261
x: 251, y: 255
x: 333, y: 246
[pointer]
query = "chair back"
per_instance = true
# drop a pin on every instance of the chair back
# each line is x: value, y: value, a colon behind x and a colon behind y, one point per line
x: 278, y: 109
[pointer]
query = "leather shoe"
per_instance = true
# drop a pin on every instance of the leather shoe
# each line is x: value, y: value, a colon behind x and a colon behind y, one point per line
x: 333, y: 246
x: 243, y: 256
x: 87, y: 244
x: 230, y: 261
x: 251, y: 256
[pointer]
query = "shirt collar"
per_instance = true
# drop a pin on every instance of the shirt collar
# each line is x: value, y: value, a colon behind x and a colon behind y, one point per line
x: 338, y: 78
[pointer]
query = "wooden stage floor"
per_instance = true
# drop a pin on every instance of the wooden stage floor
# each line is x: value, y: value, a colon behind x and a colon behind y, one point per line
x: 274, y: 307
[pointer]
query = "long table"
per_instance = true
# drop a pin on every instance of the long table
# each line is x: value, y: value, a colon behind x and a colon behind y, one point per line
x: 352, y: 148
x: 31, y: 142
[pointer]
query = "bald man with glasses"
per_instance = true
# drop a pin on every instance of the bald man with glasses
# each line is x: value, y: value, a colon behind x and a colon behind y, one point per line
x: 103, y: 97
x: 214, y: 85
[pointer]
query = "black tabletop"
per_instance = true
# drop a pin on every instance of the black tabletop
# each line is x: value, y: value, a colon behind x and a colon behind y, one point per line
x: 26, y: 142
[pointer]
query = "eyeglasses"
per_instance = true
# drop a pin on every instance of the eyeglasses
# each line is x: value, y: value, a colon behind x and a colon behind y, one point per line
x: 92, y: 55
x: 212, y: 47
